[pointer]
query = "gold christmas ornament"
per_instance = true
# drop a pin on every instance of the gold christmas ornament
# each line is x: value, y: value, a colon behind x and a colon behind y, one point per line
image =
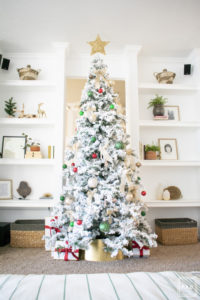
x: 98, y: 46
x: 138, y: 164
x: 95, y: 252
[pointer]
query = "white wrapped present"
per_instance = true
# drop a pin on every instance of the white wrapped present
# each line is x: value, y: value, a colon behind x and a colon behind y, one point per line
x: 64, y: 252
x: 140, y: 251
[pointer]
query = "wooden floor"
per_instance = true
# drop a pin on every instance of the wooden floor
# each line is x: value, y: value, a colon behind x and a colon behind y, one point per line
x: 38, y: 261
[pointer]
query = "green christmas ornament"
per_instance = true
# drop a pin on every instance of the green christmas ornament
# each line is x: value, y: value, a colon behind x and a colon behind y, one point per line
x: 90, y: 93
x: 64, y: 166
x: 104, y: 227
x: 62, y: 198
x: 71, y: 224
x: 112, y: 106
x: 143, y: 213
x: 81, y: 113
x: 119, y: 145
x: 93, y: 139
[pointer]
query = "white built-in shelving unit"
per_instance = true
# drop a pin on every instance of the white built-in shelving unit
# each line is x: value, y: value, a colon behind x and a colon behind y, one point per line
x: 43, y: 175
x: 184, y: 172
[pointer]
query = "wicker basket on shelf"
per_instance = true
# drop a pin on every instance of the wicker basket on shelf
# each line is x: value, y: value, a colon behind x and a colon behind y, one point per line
x: 179, y: 231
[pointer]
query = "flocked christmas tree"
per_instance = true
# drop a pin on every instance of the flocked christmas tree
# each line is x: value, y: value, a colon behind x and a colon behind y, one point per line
x: 102, y: 189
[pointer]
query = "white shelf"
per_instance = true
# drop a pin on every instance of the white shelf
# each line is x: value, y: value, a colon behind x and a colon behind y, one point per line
x: 26, y: 121
x: 170, y: 163
x: 173, y: 203
x: 27, y: 83
x: 174, y: 87
x: 27, y: 203
x: 27, y: 162
x: 168, y: 123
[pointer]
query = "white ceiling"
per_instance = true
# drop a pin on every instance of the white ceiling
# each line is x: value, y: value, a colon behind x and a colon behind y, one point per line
x: 162, y: 27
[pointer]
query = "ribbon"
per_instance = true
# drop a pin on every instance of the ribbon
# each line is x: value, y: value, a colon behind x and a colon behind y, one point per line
x: 100, y: 74
x: 49, y: 227
x: 104, y: 153
x: 90, y: 114
x: 136, y: 246
x: 67, y: 251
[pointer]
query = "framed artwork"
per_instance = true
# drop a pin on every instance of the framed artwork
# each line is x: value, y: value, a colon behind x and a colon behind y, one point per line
x: 168, y: 149
x: 172, y: 112
x: 13, y: 147
x: 6, y: 189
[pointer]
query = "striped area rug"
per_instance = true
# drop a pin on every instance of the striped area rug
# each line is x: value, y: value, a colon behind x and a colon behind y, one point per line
x: 131, y: 286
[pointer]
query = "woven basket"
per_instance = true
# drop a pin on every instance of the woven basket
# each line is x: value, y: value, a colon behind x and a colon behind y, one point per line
x: 180, y: 231
x: 27, y: 234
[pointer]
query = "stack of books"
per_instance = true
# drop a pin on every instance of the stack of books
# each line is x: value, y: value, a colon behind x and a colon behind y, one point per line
x: 160, y: 118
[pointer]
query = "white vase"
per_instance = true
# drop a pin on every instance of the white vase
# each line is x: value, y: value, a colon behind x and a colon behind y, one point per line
x: 166, y: 195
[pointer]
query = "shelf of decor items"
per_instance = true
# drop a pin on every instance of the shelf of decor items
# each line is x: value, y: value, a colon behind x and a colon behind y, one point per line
x: 172, y: 87
x: 28, y: 162
x: 27, y: 203
x: 27, y: 83
x: 173, y: 203
x: 26, y: 121
x: 170, y: 163
x: 169, y: 123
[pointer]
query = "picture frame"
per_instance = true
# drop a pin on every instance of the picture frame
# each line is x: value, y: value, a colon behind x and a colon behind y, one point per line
x: 168, y: 149
x: 13, y: 147
x: 6, y: 189
x: 173, y: 112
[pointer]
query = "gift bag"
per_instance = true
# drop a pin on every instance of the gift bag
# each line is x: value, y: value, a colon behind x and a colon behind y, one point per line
x: 49, y: 227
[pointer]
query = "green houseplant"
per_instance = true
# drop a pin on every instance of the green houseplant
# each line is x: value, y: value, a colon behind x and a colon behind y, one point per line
x: 158, y: 105
x: 150, y: 152
x: 10, y: 107
x: 31, y: 144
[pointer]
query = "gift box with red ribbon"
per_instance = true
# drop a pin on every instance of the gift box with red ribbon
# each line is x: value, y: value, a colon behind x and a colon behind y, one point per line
x: 138, y: 251
x: 64, y: 252
x: 49, y: 228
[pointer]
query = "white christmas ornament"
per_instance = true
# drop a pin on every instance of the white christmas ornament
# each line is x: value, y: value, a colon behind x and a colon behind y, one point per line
x: 129, y: 197
x: 166, y: 195
x: 92, y: 182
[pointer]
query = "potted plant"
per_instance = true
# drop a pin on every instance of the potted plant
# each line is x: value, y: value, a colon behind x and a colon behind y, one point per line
x: 158, y: 105
x: 150, y: 152
x: 31, y: 144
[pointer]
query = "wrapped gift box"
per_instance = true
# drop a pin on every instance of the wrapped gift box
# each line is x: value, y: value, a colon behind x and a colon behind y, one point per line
x: 140, y: 251
x: 64, y: 252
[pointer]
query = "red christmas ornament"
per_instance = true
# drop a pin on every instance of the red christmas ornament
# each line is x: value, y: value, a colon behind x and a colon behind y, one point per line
x: 100, y: 91
x: 143, y: 193
x: 94, y: 155
x: 75, y: 170
x: 73, y: 164
x: 79, y: 222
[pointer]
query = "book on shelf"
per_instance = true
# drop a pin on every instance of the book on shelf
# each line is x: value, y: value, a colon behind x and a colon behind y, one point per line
x: 160, y: 118
x: 51, y: 152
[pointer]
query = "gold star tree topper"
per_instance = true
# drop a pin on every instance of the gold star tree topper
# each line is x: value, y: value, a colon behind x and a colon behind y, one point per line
x: 98, y: 45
